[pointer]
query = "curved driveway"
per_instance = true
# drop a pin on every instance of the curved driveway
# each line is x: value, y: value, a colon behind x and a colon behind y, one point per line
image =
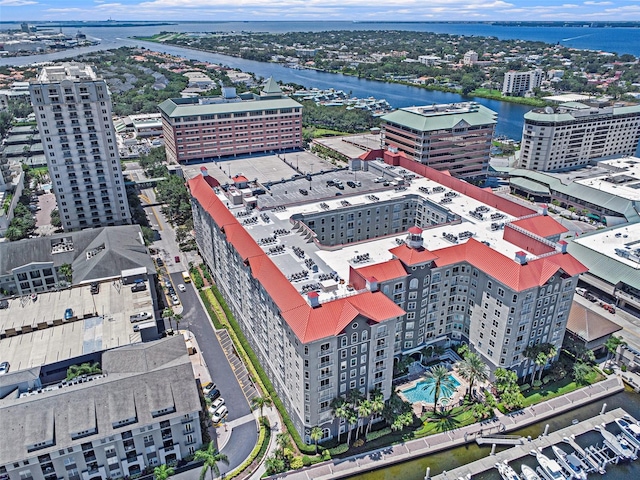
x: 244, y: 434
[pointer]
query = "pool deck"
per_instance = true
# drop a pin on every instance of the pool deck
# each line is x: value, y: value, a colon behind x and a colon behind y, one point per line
x: 420, y: 407
x: 393, y: 454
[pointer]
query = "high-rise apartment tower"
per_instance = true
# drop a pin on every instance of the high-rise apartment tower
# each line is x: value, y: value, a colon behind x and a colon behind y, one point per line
x: 73, y: 110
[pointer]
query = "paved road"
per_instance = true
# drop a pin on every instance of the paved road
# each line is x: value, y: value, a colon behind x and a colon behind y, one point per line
x: 194, y: 318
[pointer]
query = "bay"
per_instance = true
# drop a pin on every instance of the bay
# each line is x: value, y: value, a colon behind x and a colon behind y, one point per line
x: 510, y: 116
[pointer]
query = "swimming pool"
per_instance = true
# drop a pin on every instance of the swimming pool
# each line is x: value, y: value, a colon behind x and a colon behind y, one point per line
x: 423, y: 390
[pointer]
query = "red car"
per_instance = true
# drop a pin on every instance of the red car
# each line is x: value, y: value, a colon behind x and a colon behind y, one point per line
x: 177, y: 259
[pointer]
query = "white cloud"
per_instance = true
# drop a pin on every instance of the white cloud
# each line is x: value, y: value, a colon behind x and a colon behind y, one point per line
x: 16, y: 3
x: 598, y: 3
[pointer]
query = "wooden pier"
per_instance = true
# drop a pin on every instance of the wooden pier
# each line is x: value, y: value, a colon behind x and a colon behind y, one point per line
x: 520, y: 451
x: 500, y: 440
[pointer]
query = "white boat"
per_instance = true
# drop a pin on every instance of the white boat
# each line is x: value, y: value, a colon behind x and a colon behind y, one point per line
x: 571, y: 463
x: 630, y: 430
x: 529, y: 473
x: 621, y: 449
x: 506, y: 472
x: 551, y: 468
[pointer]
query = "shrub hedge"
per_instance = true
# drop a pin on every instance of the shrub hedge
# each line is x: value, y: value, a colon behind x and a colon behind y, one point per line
x: 263, y: 379
x: 212, y: 314
x: 258, y: 451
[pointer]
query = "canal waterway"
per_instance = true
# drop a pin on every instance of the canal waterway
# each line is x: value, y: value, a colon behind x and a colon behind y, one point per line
x: 450, y: 459
x: 510, y: 115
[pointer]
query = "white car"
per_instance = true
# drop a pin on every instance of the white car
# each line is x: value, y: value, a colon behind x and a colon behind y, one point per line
x: 219, y: 414
x: 216, y: 404
x: 182, y: 288
x: 175, y: 300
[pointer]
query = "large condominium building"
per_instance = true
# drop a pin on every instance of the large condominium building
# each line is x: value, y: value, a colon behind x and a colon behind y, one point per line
x: 574, y: 133
x: 214, y: 127
x: 73, y: 110
x: 454, y: 137
x: 142, y: 411
x: 519, y: 83
x: 329, y: 291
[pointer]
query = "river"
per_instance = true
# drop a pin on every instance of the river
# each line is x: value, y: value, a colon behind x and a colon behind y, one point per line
x: 415, y: 469
x: 510, y: 115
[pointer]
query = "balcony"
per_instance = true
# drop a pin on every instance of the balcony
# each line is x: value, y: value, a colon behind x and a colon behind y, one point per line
x: 328, y: 351
x: 129, y: 448
x: 326, y: 375
x: 325, y: 364
x: 110, y: 453
x: 322, y: 388
x: 382, y: 334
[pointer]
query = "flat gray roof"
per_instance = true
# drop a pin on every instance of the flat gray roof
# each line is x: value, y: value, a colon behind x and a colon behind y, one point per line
x: 106, y: 324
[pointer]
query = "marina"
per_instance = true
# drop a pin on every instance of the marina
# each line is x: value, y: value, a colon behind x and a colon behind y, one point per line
x: 576, y: 465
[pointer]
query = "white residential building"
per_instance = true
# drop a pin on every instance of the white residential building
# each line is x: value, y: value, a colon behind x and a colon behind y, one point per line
x: 470, y: 58
x: 73, y: 110
x: 429, y: 60
x: 574, y: 133
x: 519, y: 83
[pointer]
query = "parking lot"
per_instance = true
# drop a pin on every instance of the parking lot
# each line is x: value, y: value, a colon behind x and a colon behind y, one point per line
x: 266, y: 168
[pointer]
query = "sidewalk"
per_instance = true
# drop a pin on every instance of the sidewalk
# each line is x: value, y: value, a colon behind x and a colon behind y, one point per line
x: 383, y: 457
x: 276, y: 427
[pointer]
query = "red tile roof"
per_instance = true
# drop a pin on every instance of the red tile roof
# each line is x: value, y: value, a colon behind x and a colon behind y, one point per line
x: 412, y: 256
x: 382, y: 272
x: 309, y: 324
x: 240, y: 179
x: 504, y: 269
x: 415, y: 230
x: 542, y: 225
x: 527, y: 242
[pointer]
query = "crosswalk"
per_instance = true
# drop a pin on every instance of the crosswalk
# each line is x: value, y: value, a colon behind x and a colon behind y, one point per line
x: 237, y: 366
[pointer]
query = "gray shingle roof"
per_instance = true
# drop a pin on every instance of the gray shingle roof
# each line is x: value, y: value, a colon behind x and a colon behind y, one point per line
x: 589, y: 325
x: 123, y: 249
x: 159, y: 376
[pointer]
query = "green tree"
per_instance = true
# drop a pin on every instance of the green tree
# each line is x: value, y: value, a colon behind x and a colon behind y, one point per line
x: 364, y: 411
x: 316, y: 436
x: 612, y: 345
x: 261, y: 402
x: 210, y: 458
x: 339, y: 406
x: 473, y: 369
x: 274, y: 465
x: 83, y: 369
x: 162, y: 472
x: 581, y: 373
x: 55, y: 218
x: 66, y: 271
x: 439, y: 375
x: 377, y: 406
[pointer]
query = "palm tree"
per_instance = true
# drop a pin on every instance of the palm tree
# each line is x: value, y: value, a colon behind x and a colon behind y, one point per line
x: 377, y: 406
x: 316, y: 435
x: 162, y: 472
x: 473, y: 369
x: 532, y: 353
x: 440, y: 378
x: 210, y: 458
x: 551, y: 351
x: 364, y: 411
x: 541, y: 361
x: 261, y: 402
x: 352, y: 419
x: 339, y: 406
x: 612, y: 345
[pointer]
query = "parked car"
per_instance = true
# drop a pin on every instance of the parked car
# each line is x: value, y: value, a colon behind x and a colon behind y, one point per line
x: 177, y: 259
x: 68, y: 314
x: 159, y: 262
x: 175, y: 300
x: 182, y: 288
x: 379, y: 180
x: 330, y: 183
x: 303, y: 192
x: 4, y: 368
x: 138, y: 287
x: 208, y: 387
x: 216, y: 404
x: 138, y: 317
x: 4, y: 304
x: 213, y: 394
x: 351, y: 184
x: 219, y: 414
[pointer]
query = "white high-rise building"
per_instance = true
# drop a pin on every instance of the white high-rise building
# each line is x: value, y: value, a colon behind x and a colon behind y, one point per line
x: 572, y: 134
x: 519, y: 83
x: 73, y: 110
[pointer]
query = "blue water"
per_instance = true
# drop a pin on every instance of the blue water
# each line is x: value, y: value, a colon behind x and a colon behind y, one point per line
x: 423, y: 391
x: 510, y: 116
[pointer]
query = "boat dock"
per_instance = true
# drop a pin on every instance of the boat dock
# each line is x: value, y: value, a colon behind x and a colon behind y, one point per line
x: 500, y: 440
x: 597, y: 457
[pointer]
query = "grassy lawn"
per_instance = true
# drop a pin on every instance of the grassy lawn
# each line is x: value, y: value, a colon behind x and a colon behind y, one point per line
x: 555, y: 389
x: 442, y: 421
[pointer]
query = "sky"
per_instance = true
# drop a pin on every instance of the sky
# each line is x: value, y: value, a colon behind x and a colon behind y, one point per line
x: 321, y: 10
